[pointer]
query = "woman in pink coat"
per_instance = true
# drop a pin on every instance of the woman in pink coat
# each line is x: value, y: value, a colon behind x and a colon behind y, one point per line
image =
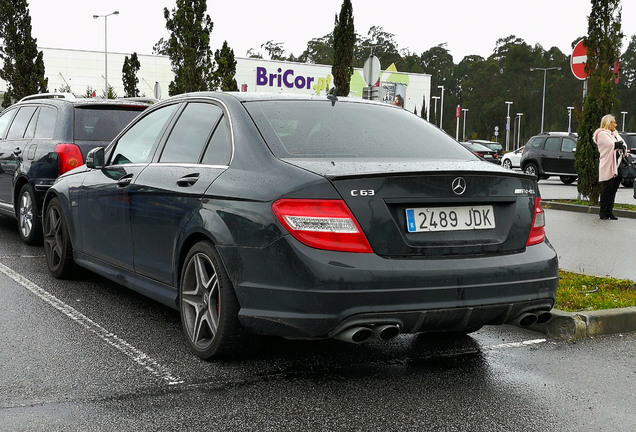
x: 611, y: 148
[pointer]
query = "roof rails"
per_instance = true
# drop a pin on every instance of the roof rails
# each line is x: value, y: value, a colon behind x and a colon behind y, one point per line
x: 150, y: 100
x: 66, y: 96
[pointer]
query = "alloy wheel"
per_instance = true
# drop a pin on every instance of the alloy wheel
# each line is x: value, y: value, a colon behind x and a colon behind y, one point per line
x: 201, y: 305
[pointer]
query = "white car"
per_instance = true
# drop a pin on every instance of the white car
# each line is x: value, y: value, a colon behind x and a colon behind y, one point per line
x: 511, y: 159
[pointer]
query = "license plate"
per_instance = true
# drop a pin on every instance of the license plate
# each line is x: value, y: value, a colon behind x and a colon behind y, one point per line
x: 450, y: 218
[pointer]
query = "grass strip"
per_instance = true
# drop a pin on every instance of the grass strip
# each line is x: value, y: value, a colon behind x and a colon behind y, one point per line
x: 579, y: 292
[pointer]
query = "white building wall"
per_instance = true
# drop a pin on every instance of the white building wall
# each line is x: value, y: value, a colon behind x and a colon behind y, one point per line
x: 83, y: 69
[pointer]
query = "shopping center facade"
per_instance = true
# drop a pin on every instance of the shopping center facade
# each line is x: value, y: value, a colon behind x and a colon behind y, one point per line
x: 83, y: 72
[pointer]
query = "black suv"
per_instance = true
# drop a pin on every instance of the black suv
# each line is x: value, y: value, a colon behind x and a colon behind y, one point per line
x: 630, y: 139
x: 550, y: 153
x: 45, y: 135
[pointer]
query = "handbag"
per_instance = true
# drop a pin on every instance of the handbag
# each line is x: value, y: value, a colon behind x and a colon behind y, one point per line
x: 627, y: 169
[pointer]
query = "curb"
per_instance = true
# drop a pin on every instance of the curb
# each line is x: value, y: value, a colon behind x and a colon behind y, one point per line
x: 548, y: 204
x: 572, y: 326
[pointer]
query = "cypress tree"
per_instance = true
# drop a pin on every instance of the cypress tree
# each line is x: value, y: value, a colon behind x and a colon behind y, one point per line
x: 23, y: 64
x: 226, y: 69
x: 603, y: 44
x: 129, y: 75
x: 189, y: 47
x: 344, y: 40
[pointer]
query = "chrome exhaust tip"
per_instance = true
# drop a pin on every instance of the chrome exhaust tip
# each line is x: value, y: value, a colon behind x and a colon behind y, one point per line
x: 525, y: 319
x: 386, y: 332
x: 355, y: 334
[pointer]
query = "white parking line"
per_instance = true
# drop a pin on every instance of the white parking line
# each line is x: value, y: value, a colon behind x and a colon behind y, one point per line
x: 138, y: 356
x: 515, y: 344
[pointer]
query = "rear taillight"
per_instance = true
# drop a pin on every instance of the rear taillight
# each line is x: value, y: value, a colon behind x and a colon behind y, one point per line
x: 69, y: 156
x: 322, y: 224
x: 537, y: 233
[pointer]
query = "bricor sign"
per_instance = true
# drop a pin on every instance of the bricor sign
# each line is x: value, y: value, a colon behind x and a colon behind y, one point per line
x: 289, y: 79
x: 578, y: 60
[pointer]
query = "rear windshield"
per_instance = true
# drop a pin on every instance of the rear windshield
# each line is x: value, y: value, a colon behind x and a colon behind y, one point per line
x: 103, y: 123
x: 320, y: 129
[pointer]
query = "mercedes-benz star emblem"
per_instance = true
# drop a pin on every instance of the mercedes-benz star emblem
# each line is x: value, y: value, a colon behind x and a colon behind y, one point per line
x: 459, y: 186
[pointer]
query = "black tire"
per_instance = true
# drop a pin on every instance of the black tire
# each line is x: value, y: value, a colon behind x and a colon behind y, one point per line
x: 209, y: 307
x: 507, y: 164
x: 532, y: 169
x: 29, y: 223
x: 58, y: 250
x: 568, y: 179
x: 628, y: 183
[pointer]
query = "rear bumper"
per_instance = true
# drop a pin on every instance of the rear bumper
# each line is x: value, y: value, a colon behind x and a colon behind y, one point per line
x: 294, y: 291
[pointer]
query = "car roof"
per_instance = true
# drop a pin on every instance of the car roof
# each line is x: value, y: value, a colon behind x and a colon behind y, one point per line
x: 70, y: 99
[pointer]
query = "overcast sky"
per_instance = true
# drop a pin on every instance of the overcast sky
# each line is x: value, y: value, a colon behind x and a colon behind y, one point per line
x: 466, y: 26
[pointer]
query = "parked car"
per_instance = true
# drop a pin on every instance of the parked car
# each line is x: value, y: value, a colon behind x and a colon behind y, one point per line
x: 550, y: 153
x: 512, y: 159
x: 289, y: 215
x: 490, y: 144
x: 45, y: 135
x: 482, y: 151
x: 630, y: 139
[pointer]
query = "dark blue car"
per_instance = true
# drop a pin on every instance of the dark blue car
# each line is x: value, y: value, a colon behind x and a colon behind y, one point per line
x: 306, y: 218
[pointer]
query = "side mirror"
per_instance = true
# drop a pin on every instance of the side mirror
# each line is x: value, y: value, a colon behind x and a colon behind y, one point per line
x: 95, y: 158
x: 574, y: 150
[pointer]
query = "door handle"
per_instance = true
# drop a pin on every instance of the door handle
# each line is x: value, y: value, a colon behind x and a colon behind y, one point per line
x: 125, y: 180
x: 188, y: 180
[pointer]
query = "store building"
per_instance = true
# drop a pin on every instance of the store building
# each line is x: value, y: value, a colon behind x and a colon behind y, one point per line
x: 83, y: 73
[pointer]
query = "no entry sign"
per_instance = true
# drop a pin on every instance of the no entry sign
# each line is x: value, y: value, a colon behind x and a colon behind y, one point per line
x: 579, y: 60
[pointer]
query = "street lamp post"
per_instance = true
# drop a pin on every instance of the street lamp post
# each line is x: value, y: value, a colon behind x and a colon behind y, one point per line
x: 435, y: 98
x: 570, y: 119
x: 545, y: 73
x: 623, y: 112
x: 519, y: 131
x: 465, y: 110
x: 441, y: 109
x: 106, y: 48
x: 508, y: 126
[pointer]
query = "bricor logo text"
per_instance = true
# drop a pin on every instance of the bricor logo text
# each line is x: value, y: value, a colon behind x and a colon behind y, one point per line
x: 288, y: 80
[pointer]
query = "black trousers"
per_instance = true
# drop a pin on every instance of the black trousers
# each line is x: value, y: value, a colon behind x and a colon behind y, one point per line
x: 608, y: 195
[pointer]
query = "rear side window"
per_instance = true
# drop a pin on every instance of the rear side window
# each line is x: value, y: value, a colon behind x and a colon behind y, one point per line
x: 19, y: 125
x: 322, y: 129
x: 45, y: 127
x: 191, y: 133
x: 568, y: 145
x: 553, y: 144
x: 219, y: 150
x: 102, y: 123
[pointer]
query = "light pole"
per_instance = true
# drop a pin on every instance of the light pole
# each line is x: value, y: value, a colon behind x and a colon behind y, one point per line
x: 441, y: 109
x: 508, y: 126
x: 545, y: 73
x: 519, y: 131
x: 570, y: 119
x: 465, y: 110
x: 436, y: 98
x: 106, y: 48
x: 623, y: 112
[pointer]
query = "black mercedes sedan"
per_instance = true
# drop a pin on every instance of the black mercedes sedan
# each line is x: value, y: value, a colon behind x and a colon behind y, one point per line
x: 306, y: 218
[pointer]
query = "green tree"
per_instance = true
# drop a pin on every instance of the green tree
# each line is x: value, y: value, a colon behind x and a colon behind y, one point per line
x: 275, y: 50
x: 438, y: 62
x: 603, y: 43
x: 129, y: 75
x: 627, y: 85
x: 224, y: 74
x: 344, y: 39
x: 23, y: 64
x: 319, y: 51
x: 189, y: 46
